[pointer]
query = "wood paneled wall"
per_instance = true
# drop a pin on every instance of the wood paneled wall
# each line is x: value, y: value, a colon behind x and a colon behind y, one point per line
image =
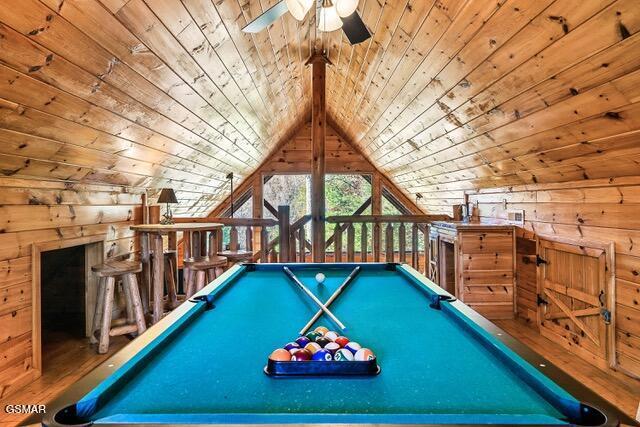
x: 604, y: 210
x: 37, y: 211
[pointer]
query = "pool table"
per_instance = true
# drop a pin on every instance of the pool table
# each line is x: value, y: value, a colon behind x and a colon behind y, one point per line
x: 441, y: 363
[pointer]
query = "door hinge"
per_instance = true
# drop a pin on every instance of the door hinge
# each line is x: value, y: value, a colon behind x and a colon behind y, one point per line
x: 541, y: 301
x: 606, y: 315
x: 540, y: 260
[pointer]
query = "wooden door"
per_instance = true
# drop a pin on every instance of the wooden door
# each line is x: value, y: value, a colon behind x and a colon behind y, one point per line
x: 576, y: 297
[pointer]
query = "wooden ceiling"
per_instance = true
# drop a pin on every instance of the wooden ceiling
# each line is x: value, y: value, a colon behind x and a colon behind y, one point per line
x: 448, y: 95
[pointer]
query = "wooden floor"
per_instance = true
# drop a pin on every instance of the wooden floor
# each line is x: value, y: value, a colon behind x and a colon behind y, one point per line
x: 66, y: 361
x: 70, y: 359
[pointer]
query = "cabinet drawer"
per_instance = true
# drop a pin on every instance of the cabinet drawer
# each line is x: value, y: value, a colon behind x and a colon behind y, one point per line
x: 474, y: 243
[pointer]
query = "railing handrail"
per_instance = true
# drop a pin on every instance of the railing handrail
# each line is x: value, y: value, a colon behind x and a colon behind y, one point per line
x: 240, y: 222
x: 341, y: 219
x: 301, y: 222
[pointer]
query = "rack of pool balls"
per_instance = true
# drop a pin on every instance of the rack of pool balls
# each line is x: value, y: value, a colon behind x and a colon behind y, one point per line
x: 336, y: 354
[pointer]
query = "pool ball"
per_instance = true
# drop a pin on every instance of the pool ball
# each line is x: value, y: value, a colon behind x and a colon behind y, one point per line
x: 291, y: 345
x: 364, y: 354
x: 341, y: 341
x: 320, y: 278
x: 312, y: 347
x: 280, y: 355
x: 343, y: 355
x: 302, y: 341
x: 323, y: 341
x: 321, y: 330
x: 322, y: 355
x: 332, y: 347
x: 301, y: 355
x: 312, y: 335
x: 332, y: 335
x: 353, y: 347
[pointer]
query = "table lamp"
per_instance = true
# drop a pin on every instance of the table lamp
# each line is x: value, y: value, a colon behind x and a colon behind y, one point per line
x: 167, y: 195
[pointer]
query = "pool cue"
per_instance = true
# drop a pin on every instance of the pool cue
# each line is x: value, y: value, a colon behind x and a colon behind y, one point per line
x: 313, y: 297
x: 335, y: 295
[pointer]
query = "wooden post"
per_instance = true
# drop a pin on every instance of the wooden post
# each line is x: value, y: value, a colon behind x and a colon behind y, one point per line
x: 256, y: 193
x: 284, y: 231
x: 376, y: 195
x: 318, y: 135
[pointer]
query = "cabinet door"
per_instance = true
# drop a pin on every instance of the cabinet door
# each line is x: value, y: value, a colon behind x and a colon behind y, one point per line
x: 575, y: 297
x: 432, y: 258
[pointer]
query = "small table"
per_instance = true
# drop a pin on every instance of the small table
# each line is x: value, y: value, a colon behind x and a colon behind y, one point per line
x: 442, y: 363
x: 151, y: 240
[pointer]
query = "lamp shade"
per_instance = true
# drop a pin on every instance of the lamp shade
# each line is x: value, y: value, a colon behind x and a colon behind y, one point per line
x: 329, y: 19
x: 299, y: 8
x: 167, y: 195
x: 346, y: 7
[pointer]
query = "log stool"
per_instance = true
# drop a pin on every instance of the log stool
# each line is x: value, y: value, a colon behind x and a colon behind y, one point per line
x: 202, y: 269
x: 108, y: 272
x: 170, y: 269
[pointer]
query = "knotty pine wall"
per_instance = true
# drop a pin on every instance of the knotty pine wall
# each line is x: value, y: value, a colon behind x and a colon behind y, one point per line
x: 598, y: 210
x: 36, y: 211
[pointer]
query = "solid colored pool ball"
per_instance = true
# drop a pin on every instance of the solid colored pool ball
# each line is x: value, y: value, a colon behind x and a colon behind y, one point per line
x: 343, y: 355
x: 321, y: 330
x: 341, y: 341
x: 323, y: 341
x: 280, y: 355
x: 302, y: 341
x: 312, y: 335
x: 332, y: 335
x: 312, y: 347
x: 291, y: 345
x: 322, y: 355
x: 301, y: 355
x: 320, y: 278
x: 353, y: 347
x: 332, y: 347
x: 364, y: 354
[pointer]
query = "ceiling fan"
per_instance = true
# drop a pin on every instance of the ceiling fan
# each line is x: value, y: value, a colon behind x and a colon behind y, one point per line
x: 332, y: 15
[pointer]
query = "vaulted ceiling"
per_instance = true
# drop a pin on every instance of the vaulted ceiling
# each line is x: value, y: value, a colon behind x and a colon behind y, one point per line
x: 447, y: 95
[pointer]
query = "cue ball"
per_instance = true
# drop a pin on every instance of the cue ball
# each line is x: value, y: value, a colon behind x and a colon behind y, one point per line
x: 320, y: 278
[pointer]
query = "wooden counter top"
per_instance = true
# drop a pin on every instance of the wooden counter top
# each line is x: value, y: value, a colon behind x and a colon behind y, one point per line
x: 472, y: 226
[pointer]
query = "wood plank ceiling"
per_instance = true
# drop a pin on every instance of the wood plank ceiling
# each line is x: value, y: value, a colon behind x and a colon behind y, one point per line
x: 448, y: 95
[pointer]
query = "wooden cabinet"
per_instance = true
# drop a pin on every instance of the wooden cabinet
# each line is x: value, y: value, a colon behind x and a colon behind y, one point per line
x: 475, y: 262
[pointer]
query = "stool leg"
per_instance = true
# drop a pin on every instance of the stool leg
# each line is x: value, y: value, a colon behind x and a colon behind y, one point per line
x: 169, y: 276
x: 211, y: 274
x: 219, y: 271
x: 127, y: 299
x: 190, y: 282
x: 200, y: 279
x: 103, y: 345
x: 132, y: 283
x: 99, y: 308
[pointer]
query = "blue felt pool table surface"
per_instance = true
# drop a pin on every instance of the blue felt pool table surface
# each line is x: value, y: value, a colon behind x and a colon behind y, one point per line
x: 433, y: 370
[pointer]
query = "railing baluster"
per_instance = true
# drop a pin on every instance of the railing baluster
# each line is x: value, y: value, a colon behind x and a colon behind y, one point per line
x: 264, y: 244
x: 249, y: 238
x: 302, y: 252
x: 415, y: 256
x: 402, y: 237
x: 273, y: 255
x: 351, y: 242
x: 337, y: 243
x: 377, y: 230
x: 389, y: 242
x: 363, y: 242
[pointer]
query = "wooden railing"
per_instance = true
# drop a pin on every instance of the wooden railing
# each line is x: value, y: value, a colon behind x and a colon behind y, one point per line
x: 419, y: 230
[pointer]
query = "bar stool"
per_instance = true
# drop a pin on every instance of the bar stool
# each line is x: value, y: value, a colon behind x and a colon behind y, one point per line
x: 108, y: 272
x: 202, y: 269
x: 170, y: 269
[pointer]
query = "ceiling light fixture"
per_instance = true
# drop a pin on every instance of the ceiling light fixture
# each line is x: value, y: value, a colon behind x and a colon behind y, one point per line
x: 346, y: 7
x: 299, y: 8
x: 329, y: 20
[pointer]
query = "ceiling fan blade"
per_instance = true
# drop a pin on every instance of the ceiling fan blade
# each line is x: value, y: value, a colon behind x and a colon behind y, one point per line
x: 267, y: 18
x: 354, y: 28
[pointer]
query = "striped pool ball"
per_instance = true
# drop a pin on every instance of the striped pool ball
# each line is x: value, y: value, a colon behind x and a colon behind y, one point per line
x: 321, y: 330
x: 280, y: 355
x: 312, y: 347
x: 353, y: 347
x: 341, y: 341
x: 302, y: 341
x: 301, y: 355
x: 323, y: 341
x: 332, y: 335
x: 343, y: 355
x: 322, y: 355
x: 332, y: 347
x: 364, y: 354
x: 291, y: 345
